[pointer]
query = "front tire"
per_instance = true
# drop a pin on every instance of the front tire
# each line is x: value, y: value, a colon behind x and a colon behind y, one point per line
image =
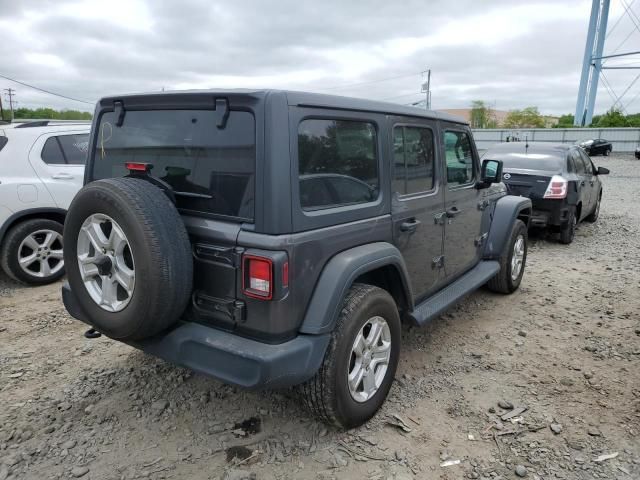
x: 32, y: 252
x: 512, y: 262
x: 360, y: 362
x: 607, y: 152
x: 593, y: 217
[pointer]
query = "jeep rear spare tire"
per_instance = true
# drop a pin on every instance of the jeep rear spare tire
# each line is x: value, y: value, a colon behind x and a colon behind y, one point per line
x: 128, y: 257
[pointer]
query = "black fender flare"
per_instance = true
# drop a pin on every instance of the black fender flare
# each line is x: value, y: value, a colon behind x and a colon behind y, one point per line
x: 339, y: 274
x: 30, y: 212
x: 506, y: 211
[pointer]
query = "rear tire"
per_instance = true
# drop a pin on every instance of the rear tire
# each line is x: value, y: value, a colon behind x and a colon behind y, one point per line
x: 38, y: 241
x: 328, y: 395
x: 135, y: 256
x: 568, y: 232
x: 607, y: 152
x: 512, y: 262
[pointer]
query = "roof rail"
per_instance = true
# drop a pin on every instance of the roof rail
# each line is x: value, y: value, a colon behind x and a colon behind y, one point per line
x: 39, y: 123
x: 44, y: 123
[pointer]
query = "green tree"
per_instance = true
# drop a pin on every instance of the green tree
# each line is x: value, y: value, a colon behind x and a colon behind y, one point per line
x: 528, y: 117
x: 45, y: 114
x: 613, y: 118
x: 482, y: 116
x: 565, y: 121
x: 634, y: 119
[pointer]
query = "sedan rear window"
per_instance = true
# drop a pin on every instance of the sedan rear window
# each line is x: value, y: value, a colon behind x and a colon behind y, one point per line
x: 211, y: 170
x: 532, y: 161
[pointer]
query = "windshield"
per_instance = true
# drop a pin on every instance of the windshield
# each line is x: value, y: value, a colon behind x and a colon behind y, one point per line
x: 210, y: 169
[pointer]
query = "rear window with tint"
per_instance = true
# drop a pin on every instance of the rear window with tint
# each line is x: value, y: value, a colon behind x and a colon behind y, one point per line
x: 211, y: 170
x: 532, y: 161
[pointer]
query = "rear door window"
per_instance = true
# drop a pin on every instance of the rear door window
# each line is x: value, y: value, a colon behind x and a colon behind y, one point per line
x: 65, y: 149
x: 337, y: 163
x: 413, y: 160
x: 3, y: 142
x: 74, y: 148
x: 52, y: 153
x: 579, y: 163
x: 588, y: 166
x: 459, y: 158
x: 210, y: 169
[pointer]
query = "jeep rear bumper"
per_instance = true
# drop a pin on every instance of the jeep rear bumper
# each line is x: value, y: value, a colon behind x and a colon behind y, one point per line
x: 228, y: 357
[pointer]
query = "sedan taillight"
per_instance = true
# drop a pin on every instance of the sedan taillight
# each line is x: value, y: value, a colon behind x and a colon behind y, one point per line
x: 557, y: 188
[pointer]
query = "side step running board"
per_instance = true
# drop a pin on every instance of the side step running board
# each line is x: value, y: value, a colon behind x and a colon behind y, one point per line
x: 445, y: 298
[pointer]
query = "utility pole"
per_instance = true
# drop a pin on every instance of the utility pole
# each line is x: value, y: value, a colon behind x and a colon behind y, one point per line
x: 1, y: 110
x: 10, y: 93
x: 426, y: 89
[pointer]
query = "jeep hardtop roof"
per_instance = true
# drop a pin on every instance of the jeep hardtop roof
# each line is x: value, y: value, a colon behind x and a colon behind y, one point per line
x: 294, y: 98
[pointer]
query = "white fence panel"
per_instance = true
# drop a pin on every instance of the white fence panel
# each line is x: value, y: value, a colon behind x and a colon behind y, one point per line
x: 622, y: 139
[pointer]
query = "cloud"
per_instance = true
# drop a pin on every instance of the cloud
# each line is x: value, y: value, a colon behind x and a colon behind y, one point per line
x: 509, y: 53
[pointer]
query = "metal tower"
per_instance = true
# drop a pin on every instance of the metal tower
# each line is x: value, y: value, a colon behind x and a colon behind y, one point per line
x: 592, y: 63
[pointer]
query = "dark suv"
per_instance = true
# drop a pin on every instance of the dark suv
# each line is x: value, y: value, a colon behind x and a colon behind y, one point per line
x: 272, y: 238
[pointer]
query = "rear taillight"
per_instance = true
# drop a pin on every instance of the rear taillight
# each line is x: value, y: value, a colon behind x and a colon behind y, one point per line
x: 557, y: 187
x: 257, y: 278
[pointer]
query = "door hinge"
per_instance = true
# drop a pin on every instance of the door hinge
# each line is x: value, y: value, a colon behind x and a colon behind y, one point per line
x: 483, y: 204
x: 440, y: 218
x: 228, y: 255
x: 437, y: 262
x: 480, y: 240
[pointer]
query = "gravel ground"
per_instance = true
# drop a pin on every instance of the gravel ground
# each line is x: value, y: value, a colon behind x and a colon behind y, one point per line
x: 560, y: 357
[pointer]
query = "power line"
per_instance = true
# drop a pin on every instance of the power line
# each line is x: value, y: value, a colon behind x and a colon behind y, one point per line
x: 632, y: 100
x: 631, y: 14
x: 400, y: 96
x: 633, y: 30
x: 370, y: 82
x: 628, y: 88
x: 618, y: 21
x: 46, y: 91
x: 609, y: 88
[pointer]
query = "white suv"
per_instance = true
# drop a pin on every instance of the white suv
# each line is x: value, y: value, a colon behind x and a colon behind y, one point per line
x: 41, y: 169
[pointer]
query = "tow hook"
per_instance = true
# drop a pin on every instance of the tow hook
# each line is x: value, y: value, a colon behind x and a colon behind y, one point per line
x: 92, y: 333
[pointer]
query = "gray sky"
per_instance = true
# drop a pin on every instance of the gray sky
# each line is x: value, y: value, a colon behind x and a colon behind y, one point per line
x: 511, y: 54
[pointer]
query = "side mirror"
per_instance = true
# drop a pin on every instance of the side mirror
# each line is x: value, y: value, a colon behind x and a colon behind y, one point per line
x: 491, y: 172
x: 603, y: 171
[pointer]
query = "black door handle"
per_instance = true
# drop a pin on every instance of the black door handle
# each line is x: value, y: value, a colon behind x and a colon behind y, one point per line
x: 409, y: 226
x: 452, y: 212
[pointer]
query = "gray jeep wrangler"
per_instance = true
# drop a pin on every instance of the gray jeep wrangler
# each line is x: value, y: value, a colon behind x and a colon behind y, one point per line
x: 273, y: 238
